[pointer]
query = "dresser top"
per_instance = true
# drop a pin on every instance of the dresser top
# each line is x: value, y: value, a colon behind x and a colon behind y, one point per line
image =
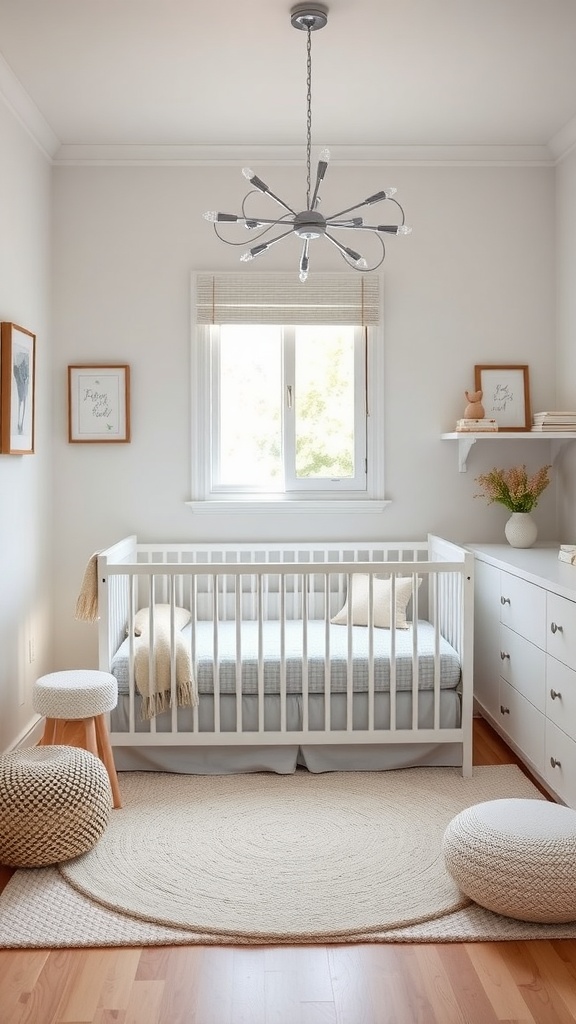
x: 538, y: 564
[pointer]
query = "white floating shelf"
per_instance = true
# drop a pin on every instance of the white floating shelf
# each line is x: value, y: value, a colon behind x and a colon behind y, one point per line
x: 466, y: 439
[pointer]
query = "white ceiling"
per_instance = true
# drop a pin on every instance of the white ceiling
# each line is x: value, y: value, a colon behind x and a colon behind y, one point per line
x: 229, y: 73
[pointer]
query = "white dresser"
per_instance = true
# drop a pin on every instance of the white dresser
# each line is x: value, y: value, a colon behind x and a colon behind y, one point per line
x: 525, y: 657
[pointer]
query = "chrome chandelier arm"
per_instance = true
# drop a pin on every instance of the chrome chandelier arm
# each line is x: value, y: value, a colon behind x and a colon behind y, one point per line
x: 263, y: 187
x: 257, y: 250
x: 353, y: 258
x: 304, y: 261
x: 349, y: 254
x: 389, y: 229
x: 378, y: 197
x: 321, y: 171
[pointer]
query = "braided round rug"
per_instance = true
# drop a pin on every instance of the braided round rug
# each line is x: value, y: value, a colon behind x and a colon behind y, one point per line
x: 285, y: 857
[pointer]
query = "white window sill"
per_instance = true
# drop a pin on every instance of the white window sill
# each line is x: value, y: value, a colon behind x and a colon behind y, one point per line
x: 282, y: 506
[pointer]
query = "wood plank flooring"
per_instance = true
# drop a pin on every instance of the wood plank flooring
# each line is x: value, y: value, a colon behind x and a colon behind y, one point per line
x: 463, y: 983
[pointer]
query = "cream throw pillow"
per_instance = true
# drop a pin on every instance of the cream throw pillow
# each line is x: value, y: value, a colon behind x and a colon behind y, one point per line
x: 381, y: 596
x: 161, y: 618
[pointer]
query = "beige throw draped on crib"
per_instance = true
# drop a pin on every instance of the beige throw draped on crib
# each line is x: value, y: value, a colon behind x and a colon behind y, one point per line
x: 156, y: 690
x: 87, y: 603
x: 156, y: 693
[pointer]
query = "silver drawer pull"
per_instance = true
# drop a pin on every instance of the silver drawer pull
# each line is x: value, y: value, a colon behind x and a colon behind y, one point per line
x: 555, y: 693
x: 503, y: 710
x: 555, y: 628
x: 504, y: 600
x: 555, y: 763
x: 504, y: 655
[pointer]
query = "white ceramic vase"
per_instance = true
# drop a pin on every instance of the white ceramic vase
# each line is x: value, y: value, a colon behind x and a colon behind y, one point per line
x: 521, y: 530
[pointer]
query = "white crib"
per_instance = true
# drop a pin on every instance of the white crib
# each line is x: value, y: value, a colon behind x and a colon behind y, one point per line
x: 279, y: 683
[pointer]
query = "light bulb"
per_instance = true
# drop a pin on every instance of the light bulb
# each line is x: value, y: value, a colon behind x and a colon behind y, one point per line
x: 211, y: 215
x: 390, y: 192
x: 324, y: 155
x: 361, y: 264
x: 303, y: 276
x: 404, y: 230
x: 247, y: 173
x: 246, y: 257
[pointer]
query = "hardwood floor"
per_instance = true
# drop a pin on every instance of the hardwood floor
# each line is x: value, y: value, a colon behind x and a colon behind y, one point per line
x: 463, y: 983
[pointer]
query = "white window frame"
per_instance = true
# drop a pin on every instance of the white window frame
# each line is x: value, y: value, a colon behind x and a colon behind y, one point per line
x: 291, y: 485
x: 205, y: 500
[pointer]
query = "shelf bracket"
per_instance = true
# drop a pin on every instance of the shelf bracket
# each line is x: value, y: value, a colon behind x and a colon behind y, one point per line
x: 464, y: 446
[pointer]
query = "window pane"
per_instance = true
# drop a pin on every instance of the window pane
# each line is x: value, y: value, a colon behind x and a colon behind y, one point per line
x: 250, y: 418
x: 324, y: 402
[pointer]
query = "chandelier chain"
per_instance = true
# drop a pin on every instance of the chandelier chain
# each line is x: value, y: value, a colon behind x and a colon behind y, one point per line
x: 309, y: 115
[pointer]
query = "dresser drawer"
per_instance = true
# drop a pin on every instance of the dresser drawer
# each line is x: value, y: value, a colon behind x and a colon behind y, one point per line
x: 523, y: 608
x: 560, y: 766
x: 524, y: 666
x: 561, y: 629
x: 523, y: 723
x: 561, y: 696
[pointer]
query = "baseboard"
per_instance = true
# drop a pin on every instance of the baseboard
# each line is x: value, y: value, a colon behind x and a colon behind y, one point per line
x: 31, y: 737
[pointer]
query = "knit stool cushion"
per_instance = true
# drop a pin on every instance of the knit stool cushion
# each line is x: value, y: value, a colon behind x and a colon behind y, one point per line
x: 516, y: 857
x: 55, y: 803
x: 78, y: 693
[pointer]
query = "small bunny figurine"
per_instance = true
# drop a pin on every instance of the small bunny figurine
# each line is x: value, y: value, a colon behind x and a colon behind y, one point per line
x: 474, y: 410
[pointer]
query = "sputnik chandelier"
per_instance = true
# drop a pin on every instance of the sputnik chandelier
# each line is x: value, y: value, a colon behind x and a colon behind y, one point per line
x: 310, y: 223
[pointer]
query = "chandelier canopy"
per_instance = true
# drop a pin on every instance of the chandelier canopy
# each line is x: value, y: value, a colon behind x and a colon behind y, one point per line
x: 310, y: 223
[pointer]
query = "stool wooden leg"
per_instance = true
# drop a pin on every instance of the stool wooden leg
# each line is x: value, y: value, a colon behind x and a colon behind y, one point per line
x: 90, y: 740
x: 49, y: 733
x: 106, y: 755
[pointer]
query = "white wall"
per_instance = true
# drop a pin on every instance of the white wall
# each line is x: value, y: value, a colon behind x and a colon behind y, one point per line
x: 474, y: 283
x: 566, y: 333
x: 25, y: 481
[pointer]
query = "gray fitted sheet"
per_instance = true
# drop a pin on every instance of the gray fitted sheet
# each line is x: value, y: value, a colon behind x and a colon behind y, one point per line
x: 313, y: 643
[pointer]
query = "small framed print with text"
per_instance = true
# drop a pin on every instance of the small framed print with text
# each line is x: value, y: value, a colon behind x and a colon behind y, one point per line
x: 505, y: 395
x: 99, y: 404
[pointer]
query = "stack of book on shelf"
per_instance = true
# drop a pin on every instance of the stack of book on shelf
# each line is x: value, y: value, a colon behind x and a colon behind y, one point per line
x: 475, y: 426
x: 556, y: 421
x: 567, y: 553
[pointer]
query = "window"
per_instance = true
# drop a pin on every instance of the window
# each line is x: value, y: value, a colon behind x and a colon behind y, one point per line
x: 282, y: 384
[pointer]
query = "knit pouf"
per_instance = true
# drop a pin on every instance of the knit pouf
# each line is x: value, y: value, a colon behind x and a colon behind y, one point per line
x: 516, y: 858
x: 55, y: 803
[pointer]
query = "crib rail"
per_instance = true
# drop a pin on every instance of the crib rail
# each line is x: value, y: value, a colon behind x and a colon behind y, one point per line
x: 293, y: 589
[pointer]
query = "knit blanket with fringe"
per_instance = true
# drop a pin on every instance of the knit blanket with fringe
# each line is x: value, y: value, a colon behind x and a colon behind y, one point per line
x: 155, y: 686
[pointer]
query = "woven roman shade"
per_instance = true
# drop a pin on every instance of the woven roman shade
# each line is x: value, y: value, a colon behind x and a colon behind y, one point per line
x: 282, y: 299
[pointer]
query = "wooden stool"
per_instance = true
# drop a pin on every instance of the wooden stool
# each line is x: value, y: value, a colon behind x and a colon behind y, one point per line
x: 75, y: 704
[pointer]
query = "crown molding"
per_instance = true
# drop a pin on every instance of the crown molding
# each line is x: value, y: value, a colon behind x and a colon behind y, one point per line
x: 26, y: 112
x: 564, y: 141
x: 198, y: 156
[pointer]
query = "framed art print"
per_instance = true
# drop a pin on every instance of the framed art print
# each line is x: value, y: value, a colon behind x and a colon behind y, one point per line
x: 505, y: 395
x: 99, y: 404
x: 17, y: 390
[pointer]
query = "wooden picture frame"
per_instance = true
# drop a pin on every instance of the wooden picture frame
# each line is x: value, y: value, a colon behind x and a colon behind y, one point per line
x: 17, y: 390
x: 99, y: 404
x: 505, y: 395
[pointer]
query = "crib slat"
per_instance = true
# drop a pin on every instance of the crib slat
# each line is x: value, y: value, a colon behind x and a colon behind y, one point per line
x: 305, y: 680
x: 238, y: 689
x: 259, y: 605
x: 282, y: 616
x: 415, y: 666
x: 215, y: 655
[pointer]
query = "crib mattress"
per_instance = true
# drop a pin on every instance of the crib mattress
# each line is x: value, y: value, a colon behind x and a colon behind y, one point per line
x: 306, y: 655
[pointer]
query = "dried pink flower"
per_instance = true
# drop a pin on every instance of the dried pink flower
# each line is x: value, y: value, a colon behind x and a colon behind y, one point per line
x: 513, y: 487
